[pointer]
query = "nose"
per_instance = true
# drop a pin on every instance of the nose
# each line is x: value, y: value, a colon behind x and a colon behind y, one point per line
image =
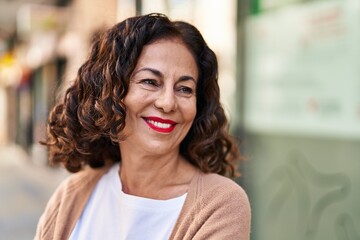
x: 166, y: 101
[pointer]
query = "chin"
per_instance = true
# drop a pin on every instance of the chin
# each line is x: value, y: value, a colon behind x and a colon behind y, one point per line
x: 160, y: 149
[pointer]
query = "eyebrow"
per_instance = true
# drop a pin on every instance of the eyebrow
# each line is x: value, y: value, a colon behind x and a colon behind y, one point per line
x: 152, y: 70
x: 159, y: 74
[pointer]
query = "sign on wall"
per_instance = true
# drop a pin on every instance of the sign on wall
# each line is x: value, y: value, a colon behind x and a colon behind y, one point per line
x: 303, y: 70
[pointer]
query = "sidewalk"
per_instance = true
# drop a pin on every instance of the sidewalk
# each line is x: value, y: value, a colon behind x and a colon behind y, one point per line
x: 25, y: 188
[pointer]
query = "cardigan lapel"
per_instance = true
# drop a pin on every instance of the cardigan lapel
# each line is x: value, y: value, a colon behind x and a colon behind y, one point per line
x: 184, y: 219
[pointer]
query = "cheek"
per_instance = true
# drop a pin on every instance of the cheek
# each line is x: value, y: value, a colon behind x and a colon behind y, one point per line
x: 135, y: 103
x: 190, y: 111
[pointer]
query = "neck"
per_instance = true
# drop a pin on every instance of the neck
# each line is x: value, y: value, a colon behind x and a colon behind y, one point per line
x: 155, y: 176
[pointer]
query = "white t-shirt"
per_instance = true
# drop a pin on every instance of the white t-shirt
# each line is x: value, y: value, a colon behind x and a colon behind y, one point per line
x: 112, y: 214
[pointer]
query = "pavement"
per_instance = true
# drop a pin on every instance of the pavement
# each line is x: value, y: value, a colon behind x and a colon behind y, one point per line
x: 26, y: 185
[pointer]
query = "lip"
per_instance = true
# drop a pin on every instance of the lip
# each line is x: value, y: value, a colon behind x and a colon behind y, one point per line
x: 160, y: 124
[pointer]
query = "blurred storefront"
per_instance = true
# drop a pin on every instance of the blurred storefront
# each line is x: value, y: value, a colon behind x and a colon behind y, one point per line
x: 38, y: 59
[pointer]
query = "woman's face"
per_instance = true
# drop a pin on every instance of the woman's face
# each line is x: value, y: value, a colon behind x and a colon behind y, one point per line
x: 161, y: 100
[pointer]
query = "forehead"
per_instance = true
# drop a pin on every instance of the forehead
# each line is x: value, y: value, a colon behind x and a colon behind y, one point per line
x: 165, y: 53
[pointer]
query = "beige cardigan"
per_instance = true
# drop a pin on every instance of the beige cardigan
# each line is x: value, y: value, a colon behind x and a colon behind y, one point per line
x: 215, y: 208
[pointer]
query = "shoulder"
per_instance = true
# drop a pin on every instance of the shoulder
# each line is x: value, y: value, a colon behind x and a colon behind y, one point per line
x: 83, y: 178
x: 220, y: 206
x: 214, y: 184
x: 218, y: 192
x: 77, y: 187
x: 77, y: 183
x: 223, y: 195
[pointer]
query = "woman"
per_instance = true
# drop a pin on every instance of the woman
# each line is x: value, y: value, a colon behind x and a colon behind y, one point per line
x: 143, y: 127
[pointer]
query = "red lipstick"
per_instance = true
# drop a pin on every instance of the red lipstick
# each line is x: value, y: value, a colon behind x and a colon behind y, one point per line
x: 160, y: 124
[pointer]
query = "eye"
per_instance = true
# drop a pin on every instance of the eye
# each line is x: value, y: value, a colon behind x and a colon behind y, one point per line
x: 186, y: 90
x: 150, y: 82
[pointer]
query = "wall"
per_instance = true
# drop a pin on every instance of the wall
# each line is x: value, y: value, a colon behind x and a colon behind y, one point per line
x: 301, y: 119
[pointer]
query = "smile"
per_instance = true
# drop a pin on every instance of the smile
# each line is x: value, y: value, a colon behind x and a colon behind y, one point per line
x: 160, y: 125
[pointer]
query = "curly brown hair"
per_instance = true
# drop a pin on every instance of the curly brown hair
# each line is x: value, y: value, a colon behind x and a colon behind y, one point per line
x: 83, y: 128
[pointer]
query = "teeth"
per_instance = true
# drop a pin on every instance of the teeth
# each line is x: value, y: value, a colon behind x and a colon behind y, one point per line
x: 159, y: 124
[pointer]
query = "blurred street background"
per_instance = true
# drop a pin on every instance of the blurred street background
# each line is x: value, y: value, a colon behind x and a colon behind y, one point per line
x: 290, y: 83
x: 24, y: 190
